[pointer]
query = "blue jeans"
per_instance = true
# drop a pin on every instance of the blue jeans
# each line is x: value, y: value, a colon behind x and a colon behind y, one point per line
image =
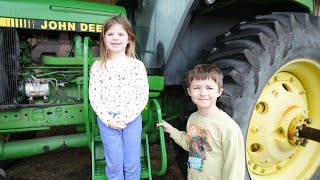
x: 122, y: 150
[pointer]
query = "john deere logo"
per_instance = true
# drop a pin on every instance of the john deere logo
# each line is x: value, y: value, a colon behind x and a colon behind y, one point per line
x: 49, y: 25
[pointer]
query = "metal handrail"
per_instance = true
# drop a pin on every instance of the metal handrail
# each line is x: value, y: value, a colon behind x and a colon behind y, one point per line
x: 163, y: 166
x: 87, y: 60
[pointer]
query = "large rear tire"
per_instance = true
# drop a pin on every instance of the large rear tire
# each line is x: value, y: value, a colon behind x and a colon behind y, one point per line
x: 2, y: 174
x: 272, y: 81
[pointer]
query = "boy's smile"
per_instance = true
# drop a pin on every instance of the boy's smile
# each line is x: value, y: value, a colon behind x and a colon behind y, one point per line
x: 204, y: 93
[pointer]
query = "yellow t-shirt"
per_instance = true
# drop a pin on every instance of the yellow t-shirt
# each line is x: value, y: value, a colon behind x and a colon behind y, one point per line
x: 215, y: 145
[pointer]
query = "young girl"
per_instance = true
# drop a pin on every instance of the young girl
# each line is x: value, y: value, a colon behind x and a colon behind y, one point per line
x: 118, y: 92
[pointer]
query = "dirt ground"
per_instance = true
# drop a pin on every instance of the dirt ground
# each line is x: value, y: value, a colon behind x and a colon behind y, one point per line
x: 75, y: 164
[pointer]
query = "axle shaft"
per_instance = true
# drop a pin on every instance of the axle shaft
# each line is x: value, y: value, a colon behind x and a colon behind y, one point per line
x: 309, y: 133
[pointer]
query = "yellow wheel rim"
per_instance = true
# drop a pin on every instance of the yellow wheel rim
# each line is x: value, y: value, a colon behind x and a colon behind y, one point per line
x: 291, y: 96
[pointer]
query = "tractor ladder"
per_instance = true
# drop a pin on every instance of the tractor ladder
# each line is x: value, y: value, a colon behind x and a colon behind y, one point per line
x: 150, y: 134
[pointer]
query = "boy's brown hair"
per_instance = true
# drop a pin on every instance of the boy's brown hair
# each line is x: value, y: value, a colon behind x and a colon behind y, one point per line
x: 203, y: 72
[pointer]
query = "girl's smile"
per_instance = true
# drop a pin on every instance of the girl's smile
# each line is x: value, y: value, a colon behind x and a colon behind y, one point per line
x: 116, y: 39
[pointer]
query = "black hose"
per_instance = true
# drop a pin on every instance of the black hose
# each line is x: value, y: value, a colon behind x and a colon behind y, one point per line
x: 46, y: 105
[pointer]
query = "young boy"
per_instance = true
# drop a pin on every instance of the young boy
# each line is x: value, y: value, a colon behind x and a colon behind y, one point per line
x: 213, y: 139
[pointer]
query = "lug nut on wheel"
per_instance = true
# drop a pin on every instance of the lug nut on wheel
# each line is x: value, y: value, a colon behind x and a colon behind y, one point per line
x: 308, y: 120
x: 305, y: 142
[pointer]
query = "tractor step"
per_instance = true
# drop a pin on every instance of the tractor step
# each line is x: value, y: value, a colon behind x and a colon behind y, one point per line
x: 145, y: 171
x: 99, y: 163
x: 100, y: 173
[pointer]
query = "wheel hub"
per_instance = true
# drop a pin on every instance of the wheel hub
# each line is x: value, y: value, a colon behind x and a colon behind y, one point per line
x: 276, y: 144
x: 282, y: 107
x: 293, y: 133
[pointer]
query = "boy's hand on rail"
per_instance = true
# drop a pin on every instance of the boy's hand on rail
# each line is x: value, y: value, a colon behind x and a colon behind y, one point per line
x: 166, y: 127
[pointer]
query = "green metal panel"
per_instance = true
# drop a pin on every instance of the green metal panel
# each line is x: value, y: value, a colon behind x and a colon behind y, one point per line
x: 59, y: 10
x: 27, y: 119
x: 65, y: 61
x: 156, y: 83
x: 308, y: 3
x: 57, y: 15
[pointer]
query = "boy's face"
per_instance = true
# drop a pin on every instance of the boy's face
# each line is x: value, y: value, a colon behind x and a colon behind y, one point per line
x: 204, y: 93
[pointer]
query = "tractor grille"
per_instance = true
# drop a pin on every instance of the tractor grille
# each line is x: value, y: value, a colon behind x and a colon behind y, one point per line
x: 9, y: 68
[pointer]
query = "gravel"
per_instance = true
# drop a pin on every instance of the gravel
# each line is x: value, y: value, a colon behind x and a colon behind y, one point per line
x: 75, y: 164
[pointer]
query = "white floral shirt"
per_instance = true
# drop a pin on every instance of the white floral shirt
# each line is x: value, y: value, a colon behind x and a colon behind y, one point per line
x: 118, y: 88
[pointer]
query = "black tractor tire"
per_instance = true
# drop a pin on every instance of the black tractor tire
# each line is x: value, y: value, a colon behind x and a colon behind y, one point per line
x: 2, y: 174
x: 252, y: 53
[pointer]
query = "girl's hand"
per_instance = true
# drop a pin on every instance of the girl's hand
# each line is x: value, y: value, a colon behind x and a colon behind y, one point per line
x: 166, y: 127
x: 118, y: 125
x: 117, y: 121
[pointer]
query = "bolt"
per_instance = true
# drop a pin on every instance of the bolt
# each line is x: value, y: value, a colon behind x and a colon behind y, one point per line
x: 279, y: 167
x: 291, y: 79
x: 308, y: 120
x: 299, y: 128
x: 298, y: 143
x: 263, y: 170
x: 296, y: 134
x: 305, y: 142
x: 276, y: 78
x: 301, y: 92
x: 254, y: 129
x: 266, y: 161
x: 275, y: 93
x: 250, y: 162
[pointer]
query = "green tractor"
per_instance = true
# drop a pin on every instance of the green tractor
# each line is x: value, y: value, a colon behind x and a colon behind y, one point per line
x: 269, y: 52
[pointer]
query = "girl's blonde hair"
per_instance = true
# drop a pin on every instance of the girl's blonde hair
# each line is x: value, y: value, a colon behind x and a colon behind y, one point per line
x: 105, y: 53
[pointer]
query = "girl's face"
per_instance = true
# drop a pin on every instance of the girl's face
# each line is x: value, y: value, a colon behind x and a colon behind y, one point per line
x: 116, y: 39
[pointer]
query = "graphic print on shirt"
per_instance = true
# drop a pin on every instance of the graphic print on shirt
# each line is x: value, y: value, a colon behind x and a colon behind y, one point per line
x: 198, y: 144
